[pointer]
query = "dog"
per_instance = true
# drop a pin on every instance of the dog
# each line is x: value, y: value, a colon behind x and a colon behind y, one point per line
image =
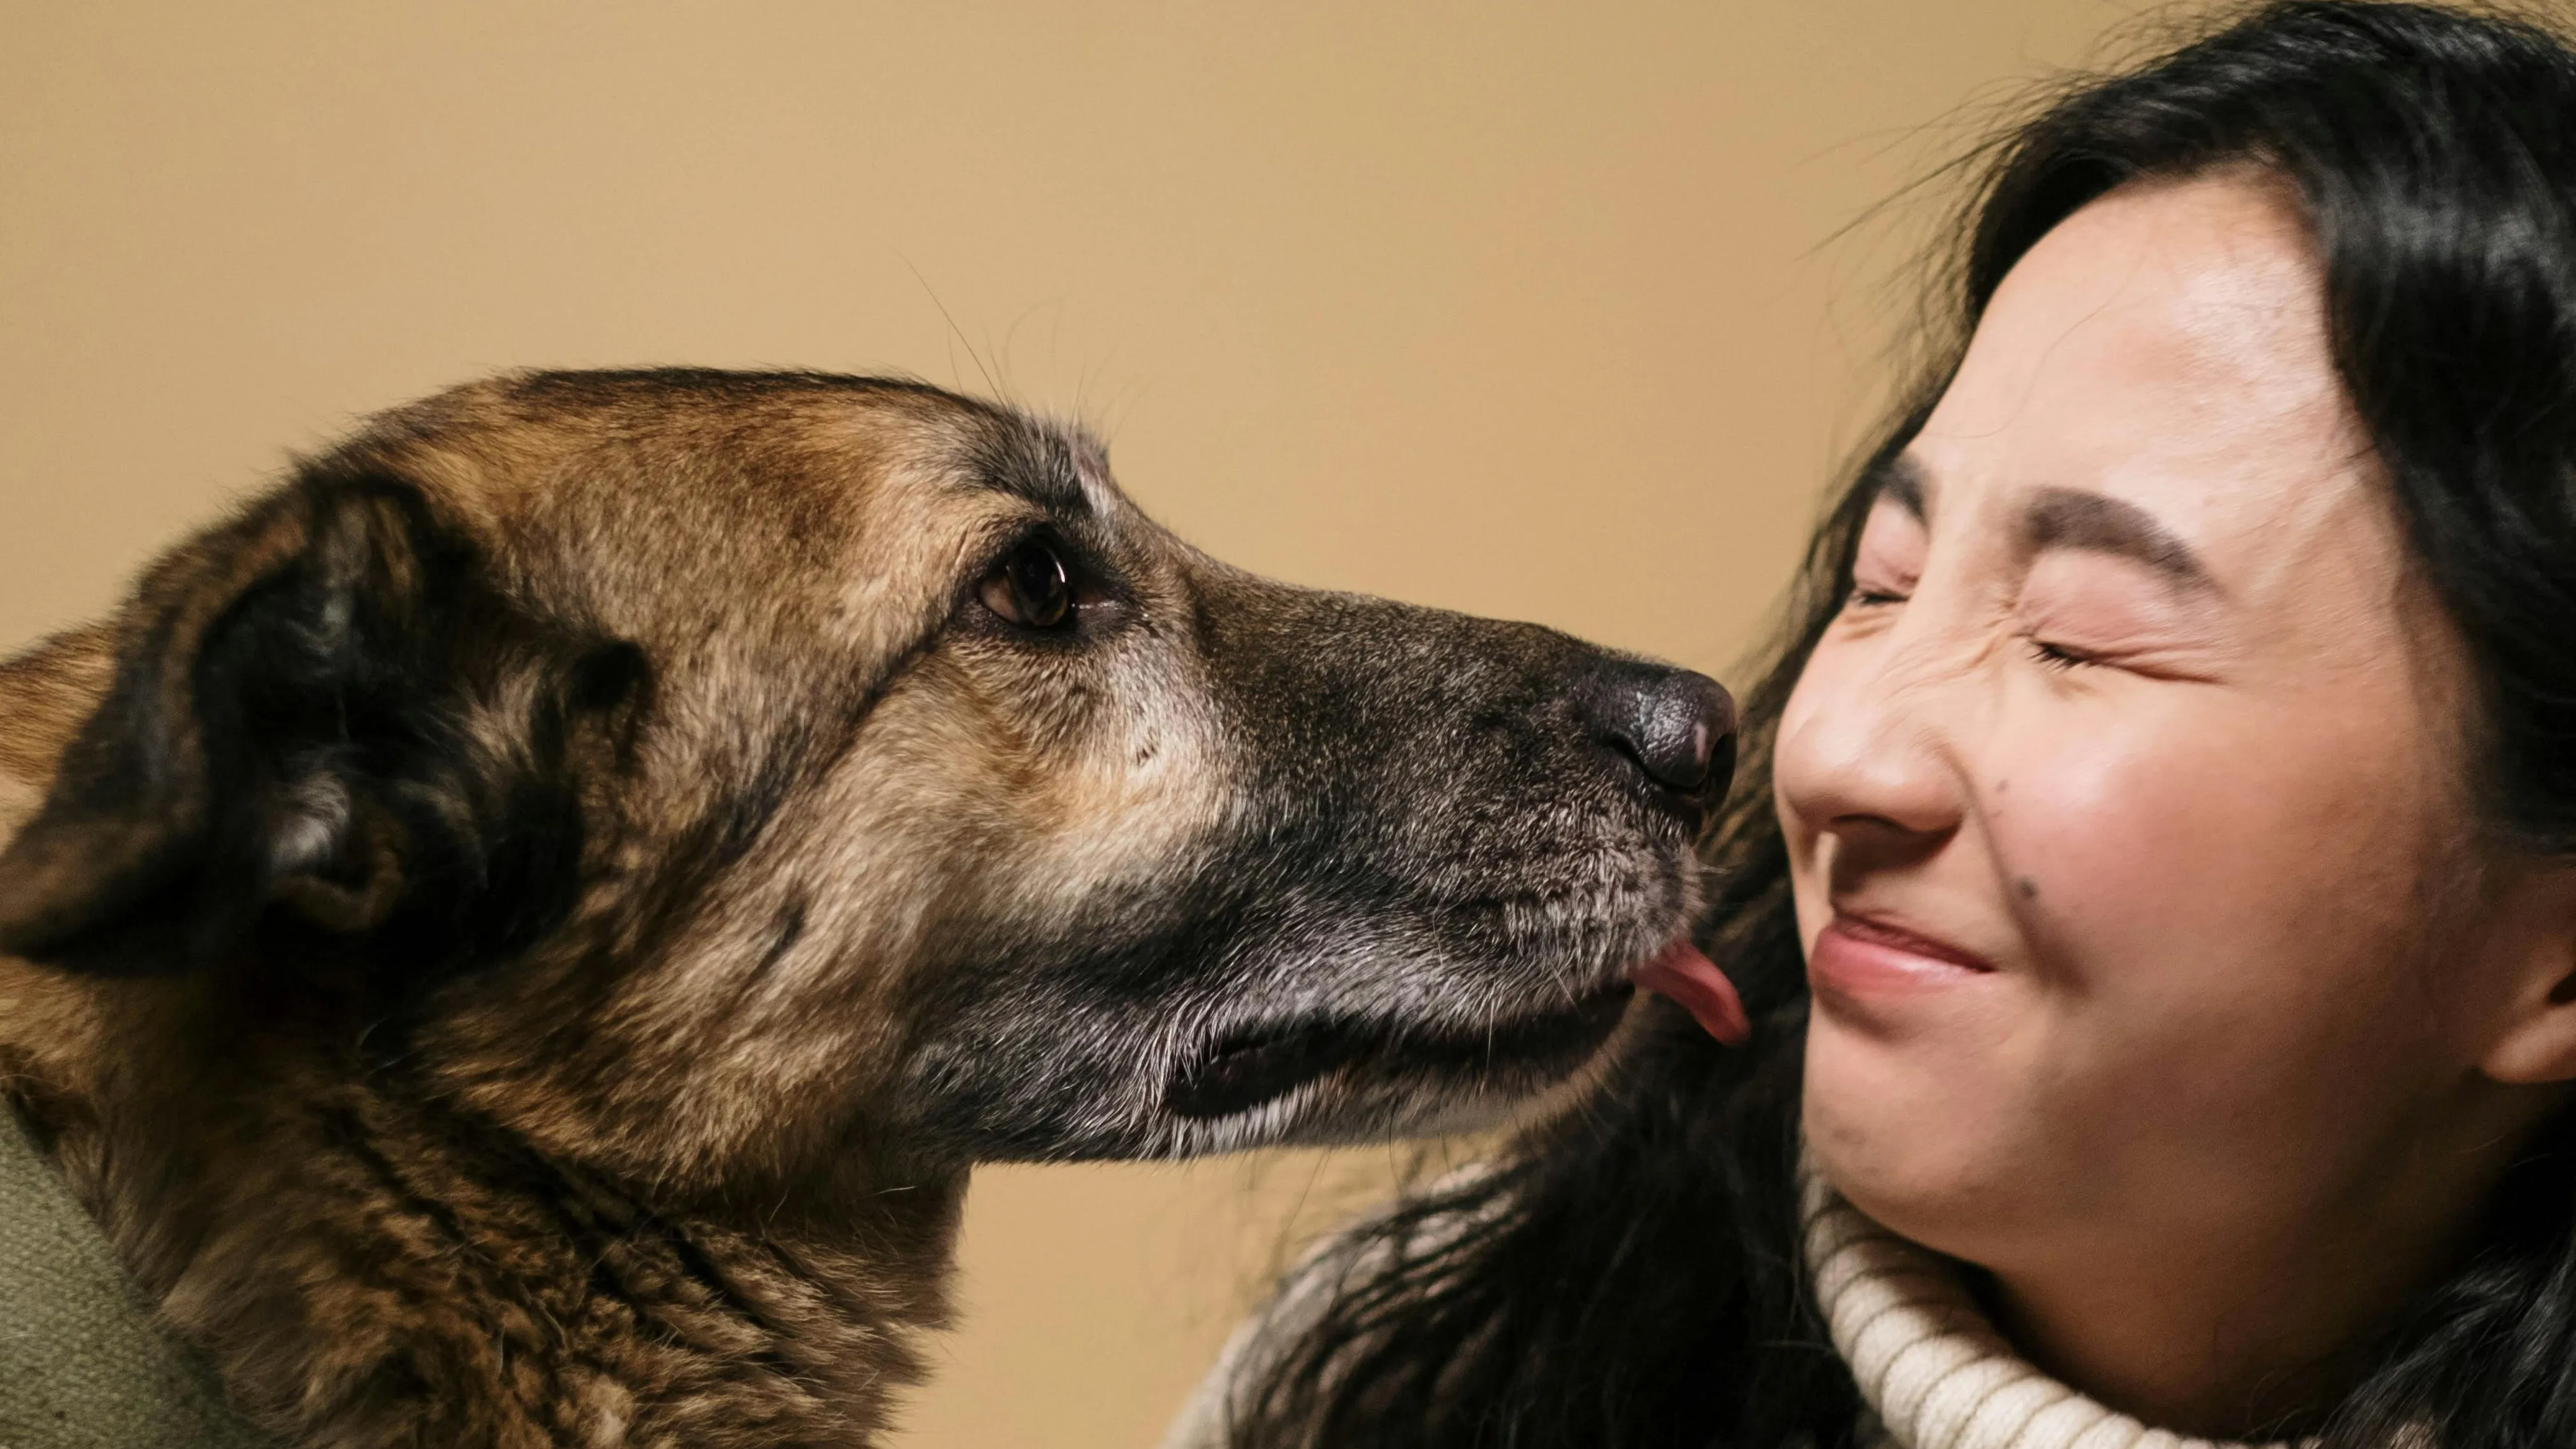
x: 519, y: 934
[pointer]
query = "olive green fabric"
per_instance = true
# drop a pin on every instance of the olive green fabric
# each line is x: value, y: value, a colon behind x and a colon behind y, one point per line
x: 81, y: 1364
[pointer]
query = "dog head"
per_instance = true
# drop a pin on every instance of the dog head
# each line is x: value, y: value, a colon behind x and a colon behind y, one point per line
x: 707, y: 775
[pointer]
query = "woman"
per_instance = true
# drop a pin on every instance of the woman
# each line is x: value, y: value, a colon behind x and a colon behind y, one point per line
x: 2154, y: 872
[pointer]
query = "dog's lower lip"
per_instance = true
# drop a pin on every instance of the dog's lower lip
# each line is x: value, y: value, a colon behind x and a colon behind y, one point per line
x: 1245, y: 1071
x: 1251, y: 1068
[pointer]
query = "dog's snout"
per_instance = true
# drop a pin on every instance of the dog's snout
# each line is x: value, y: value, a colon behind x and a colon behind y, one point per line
x: 1679, y: 727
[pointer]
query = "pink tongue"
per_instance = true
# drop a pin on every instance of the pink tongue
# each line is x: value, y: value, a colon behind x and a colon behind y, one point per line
x: 1688, y: 977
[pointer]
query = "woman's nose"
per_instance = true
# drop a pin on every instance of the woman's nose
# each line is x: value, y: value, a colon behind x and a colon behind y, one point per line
x: 1678, y: 727
x: 1862, y: 756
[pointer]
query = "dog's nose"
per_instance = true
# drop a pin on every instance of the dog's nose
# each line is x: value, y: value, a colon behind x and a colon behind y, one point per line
x: 1678, y: 726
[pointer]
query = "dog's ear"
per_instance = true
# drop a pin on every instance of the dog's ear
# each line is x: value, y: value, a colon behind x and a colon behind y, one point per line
x: 320, y: 711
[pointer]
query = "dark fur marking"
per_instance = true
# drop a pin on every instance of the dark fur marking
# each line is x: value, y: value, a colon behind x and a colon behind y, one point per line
x: 1030, y: 461
x: 790, y: 929
x: 614, y: 1232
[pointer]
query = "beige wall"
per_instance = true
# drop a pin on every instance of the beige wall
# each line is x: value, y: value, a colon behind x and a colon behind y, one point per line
x: 1525, y: 309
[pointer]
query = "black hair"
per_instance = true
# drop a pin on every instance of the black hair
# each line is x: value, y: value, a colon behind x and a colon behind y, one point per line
x: 1631, y: 1277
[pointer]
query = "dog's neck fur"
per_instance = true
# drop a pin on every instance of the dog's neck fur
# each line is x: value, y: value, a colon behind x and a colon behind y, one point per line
x: 365, y: 1270
x: 368, y: 1268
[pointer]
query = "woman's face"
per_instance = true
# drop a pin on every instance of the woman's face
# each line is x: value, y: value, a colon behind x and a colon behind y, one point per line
x: 2123, y: 798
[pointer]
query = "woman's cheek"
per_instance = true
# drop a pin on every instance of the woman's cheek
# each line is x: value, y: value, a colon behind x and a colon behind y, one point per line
x: 2207, y: 889
x: 2101, y: 830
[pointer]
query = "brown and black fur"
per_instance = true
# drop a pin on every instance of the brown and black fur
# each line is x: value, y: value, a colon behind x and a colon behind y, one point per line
x: 519, y: 934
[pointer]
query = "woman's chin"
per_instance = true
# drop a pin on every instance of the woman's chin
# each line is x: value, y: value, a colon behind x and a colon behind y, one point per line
x: 1953, y: 1208
x: 1903, y: 1144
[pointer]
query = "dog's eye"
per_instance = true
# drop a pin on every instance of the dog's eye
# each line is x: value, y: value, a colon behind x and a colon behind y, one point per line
x: 1030, y: 588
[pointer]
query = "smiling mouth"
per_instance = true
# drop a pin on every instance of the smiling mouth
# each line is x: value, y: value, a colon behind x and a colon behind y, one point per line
x: 1890, y: 936
x: 1261, y: 1064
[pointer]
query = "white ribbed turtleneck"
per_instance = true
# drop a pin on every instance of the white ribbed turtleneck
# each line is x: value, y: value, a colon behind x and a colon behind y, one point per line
x: 1936, y: 1372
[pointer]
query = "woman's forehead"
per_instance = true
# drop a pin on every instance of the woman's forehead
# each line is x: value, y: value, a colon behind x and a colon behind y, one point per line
x: 2165, y: 348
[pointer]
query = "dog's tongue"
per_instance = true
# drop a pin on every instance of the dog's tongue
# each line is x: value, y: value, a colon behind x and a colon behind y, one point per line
x: 1688, y: 977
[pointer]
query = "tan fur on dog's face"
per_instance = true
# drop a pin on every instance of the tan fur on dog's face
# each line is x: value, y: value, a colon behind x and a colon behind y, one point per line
x: 640, y: 757
x: 915, y: 765
x: 862, y: 756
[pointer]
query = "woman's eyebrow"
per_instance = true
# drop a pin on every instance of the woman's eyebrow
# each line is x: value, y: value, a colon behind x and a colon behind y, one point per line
x: 1900, y: 480
x: 2073, y: 519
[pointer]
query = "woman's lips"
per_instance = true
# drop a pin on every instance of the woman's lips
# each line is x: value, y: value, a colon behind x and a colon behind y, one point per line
x: 1855, y: 956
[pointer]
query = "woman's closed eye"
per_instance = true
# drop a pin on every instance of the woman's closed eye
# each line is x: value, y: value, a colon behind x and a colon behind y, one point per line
x: 1889, y: 561
x: 2081, y: 610
x: 2057, y: 656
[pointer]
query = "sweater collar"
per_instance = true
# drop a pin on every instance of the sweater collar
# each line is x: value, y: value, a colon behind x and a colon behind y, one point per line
x: 1931, y: 1367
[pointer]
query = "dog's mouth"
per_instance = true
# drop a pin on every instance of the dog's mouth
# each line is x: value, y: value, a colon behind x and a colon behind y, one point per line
x: 1260, y: 1064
